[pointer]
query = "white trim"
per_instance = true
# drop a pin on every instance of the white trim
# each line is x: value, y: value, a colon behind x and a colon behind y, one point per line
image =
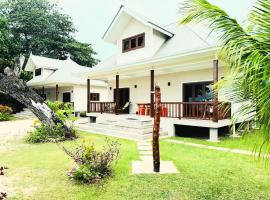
x: 123, y: 9
x: 152, y: 63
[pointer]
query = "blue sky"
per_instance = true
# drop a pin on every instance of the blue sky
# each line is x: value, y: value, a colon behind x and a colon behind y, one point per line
x: 92, y: 17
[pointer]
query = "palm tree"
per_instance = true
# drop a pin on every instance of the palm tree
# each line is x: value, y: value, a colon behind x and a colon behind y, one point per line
x: 247, y: 52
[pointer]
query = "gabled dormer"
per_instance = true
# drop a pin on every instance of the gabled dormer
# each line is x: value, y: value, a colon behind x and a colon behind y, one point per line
x: 41, y: 67
x: 136, y: 37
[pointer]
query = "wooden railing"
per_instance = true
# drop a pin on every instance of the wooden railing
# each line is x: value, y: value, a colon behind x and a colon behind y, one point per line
x: 190, y: 110
x: 102, y: 107
x: 193, y: 110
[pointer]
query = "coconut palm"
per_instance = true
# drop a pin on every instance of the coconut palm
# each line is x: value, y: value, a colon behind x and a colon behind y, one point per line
x: 247, y: 52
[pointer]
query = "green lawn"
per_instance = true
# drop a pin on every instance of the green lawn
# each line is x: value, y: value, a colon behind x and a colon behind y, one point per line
x: 39, y: 172
x: 250, y: 141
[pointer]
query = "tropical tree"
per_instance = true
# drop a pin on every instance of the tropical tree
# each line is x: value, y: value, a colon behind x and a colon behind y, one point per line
x: 8, y: 45
x: 247, y: 52
x: 40, y: 27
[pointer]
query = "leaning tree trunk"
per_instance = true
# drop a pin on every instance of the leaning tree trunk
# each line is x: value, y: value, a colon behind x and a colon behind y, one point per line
x: 11, y: 84
x: 156, y: 127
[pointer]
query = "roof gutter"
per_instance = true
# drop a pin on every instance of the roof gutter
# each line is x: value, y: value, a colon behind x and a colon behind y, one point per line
x: 154, y: 61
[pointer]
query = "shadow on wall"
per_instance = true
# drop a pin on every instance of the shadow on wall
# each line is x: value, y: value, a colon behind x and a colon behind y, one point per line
x: 198, y: 132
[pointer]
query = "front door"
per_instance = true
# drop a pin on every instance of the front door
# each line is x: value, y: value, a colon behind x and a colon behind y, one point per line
x: 123, y: 100
x: 196, y: 92
x: 66, y: 97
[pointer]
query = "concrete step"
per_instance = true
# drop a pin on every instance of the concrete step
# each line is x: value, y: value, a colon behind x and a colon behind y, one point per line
x: 128, y: 124
x: 127, y: 129
x: 115, y: 133
x: 25, y: 114
x: 118, y: 131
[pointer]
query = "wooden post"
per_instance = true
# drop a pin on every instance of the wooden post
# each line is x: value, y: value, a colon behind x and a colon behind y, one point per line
x: 117, y: 95
x: 215, y: 79
x: 152, y: 88
x: 88, y: 95
x: 56, y: 92
x: 156, y: 127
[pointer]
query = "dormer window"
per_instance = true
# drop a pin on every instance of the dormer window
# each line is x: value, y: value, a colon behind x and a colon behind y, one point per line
x: 38, y: 72
x: 134, y: 42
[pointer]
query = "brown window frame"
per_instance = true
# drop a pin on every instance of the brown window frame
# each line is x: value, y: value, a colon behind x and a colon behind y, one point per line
x: 94, y: 96
x: 129, y: 40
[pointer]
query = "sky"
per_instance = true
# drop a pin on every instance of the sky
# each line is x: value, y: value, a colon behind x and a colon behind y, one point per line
x: 92, y: 17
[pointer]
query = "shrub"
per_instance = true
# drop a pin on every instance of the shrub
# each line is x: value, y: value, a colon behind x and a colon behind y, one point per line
x: 92, y: 165
x: 83, y: 114
x: 5, y: 113
x: 62, y: 110
x: 47, y: 133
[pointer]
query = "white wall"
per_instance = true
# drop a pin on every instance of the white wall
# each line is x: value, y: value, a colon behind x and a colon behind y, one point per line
x: 51, y: 93
x: 153, y: 40
x: 44, y: 72
x: 80, y: 96
x: 172, y: 93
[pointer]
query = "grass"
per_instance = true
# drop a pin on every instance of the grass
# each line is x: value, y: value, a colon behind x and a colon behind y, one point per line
x: 39, y: 172
x: 251, y: 141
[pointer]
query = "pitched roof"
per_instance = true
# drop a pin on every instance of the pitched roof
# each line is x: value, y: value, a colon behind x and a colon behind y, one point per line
x: 122, y: 17
x: 187, y: 39
x: 62, y: 72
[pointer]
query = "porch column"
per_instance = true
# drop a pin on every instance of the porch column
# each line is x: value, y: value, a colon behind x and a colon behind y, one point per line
x: 117, y: 95
x: 152, y: 88
x: 215, y: 80
x: 213, y: 135
x: 88, y: 95
x: 56, y: 92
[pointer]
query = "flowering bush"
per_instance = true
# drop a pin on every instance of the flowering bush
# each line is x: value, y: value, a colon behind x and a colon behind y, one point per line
x: 92, y: 165
x: 5, y: 109
x: 5, y: 113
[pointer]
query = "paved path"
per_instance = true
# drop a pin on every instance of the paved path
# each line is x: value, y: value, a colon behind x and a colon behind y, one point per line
x: 145, y: 166
x: 14, y: 129
x: 237, y: 151
x: 11, y: 131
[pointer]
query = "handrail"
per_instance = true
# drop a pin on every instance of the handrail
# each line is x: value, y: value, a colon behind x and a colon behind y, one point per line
x: 190, y: 110
x: 193, y: 110
x: 102, y: 107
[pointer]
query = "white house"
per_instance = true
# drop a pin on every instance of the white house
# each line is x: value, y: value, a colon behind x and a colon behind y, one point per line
x: 180, y: 58
x: 58, y: 80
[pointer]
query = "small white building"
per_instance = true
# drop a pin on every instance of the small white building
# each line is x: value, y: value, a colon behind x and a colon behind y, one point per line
x: 59, y: 80
x: 182, y: 59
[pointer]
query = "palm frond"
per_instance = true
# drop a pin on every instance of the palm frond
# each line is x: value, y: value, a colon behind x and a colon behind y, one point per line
x: 247, y: 52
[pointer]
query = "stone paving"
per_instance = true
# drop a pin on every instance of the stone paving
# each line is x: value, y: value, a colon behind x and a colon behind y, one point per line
x: 145, y: 166
x: 224, y: 149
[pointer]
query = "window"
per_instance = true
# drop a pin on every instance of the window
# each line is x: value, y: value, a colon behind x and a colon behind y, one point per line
x: 132, y: 43
x: 38, y: 72
x: 94, y: 96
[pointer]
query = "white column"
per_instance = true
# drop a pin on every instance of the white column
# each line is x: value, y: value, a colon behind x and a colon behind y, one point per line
x: 213, y: 135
